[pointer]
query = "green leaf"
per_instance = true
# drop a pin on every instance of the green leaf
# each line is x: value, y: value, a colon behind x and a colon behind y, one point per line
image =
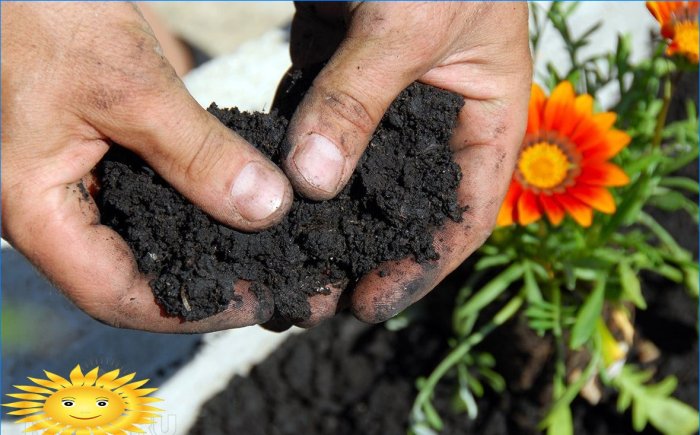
x: 631, y: 287
x: 654, y: 403
x: 624, y: 49
x: 488, y: 293
x: 684, y: 183
x: 692, y: 279
x: 492, y: 261
x: 422, y: 429
x: 669, y: 272
x: 673, y: 417
x: 590, y: 311
x: 680, y: 161
x: 495, y: 380
x: 561, y: 422
x: 671, y: 200
x: 475, y: 386
x: 465, y: 402
x: 432, y: 416
x: 532, y: 289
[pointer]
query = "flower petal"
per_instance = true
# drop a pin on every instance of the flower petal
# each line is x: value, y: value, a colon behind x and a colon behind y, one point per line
x: 584, y: 104
x: 602, y: 174
x: 559, y: 110
x: 528, y: 209
x: 660, y: 11
x: 605, y: 120
x: 534, y: 117
x: 552, y: 209
x: 505, y: 214
x: 597, y: 197
x: 582, y: 213
x: 613, y: 142
x: 586, y: 134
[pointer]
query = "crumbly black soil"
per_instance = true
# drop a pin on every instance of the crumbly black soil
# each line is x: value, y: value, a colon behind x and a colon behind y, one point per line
x: 403, y: 189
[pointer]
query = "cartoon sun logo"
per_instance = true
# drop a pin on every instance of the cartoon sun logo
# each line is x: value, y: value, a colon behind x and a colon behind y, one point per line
x: 87, y: 404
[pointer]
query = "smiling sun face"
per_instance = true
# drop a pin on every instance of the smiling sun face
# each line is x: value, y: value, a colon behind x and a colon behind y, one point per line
x: 84, y: 406
x: 85, y: 403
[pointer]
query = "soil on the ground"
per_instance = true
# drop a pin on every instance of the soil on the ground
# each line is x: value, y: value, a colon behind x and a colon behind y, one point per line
x: 403, y: 188
x: 348, y: 378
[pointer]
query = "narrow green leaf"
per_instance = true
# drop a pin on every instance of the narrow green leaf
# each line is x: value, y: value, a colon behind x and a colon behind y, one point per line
x: 490, y: 291
x: 495, y: 380
x: 684, y: 183
x: 631, y: 287
x: 624, y: 400
x: 532, y: 289
x: 669, y: 272
x: 639, y: 416
x: 671, y: 200
x: 432, y: 416
x: 467, y: 401
x: 590, y: 311
x: 692, y: 279
x: 492, y: 261
x: 561, y: 422
x: 422, y: 429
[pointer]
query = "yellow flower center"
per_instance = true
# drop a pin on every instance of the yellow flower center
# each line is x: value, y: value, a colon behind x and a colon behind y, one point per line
x: 543, y: 165
x: 687, y: 39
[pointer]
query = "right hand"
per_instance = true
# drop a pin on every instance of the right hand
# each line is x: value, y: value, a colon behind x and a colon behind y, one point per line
x: 75, y: 77
x: 479, y: 50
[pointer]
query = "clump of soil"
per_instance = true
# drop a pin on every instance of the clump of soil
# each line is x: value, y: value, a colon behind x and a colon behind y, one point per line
x: 403, y: 188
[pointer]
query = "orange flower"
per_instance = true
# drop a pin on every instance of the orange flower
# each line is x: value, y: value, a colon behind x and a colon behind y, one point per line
x: 563, y: 165
x: 679, y: 23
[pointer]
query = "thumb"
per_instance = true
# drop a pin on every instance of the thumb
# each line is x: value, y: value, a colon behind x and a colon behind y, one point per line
x: 205, y: 161
x: 335, y: 121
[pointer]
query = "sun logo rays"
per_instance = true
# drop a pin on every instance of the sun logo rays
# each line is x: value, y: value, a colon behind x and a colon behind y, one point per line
x: 86, y: 404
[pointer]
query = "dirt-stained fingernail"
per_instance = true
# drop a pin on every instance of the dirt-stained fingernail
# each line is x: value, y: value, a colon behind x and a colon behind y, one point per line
x: 320, y: 162
x: 258, y: 191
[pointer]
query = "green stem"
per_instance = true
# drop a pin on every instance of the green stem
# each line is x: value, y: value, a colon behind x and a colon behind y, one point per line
x: 503, y: 315
x: 661, y: 119
x: 560, y: 364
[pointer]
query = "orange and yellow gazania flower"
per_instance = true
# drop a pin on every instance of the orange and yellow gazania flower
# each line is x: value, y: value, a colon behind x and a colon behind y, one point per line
x: 564, y: 167
x: 679, y: 23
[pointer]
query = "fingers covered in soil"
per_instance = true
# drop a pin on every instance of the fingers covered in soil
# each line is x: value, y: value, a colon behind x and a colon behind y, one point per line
x: 323, y: 307
x: 402, y: 190
x: 95, y: 268
x: 393, y: 286
x: 138, y: 309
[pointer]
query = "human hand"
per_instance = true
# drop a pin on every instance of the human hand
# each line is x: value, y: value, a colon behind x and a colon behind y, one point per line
x: 75, y: 77
x: 478, y: 50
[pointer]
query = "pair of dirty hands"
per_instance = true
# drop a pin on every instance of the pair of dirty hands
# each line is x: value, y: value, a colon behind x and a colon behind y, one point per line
x: 78, y: 76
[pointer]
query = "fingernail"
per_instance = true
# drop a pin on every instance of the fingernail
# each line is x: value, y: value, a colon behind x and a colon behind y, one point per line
x: 320, y: 162
x: 257, y: 192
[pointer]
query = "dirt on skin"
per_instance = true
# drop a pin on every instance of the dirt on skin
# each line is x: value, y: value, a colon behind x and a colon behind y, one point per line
x: 404, y: 187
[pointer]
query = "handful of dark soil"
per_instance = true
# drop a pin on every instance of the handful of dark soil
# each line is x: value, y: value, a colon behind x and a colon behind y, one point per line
x: 403, y: 188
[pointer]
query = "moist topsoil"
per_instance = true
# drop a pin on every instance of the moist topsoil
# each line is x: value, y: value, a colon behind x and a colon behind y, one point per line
x: 348, y: 378
x: 402, y: 190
